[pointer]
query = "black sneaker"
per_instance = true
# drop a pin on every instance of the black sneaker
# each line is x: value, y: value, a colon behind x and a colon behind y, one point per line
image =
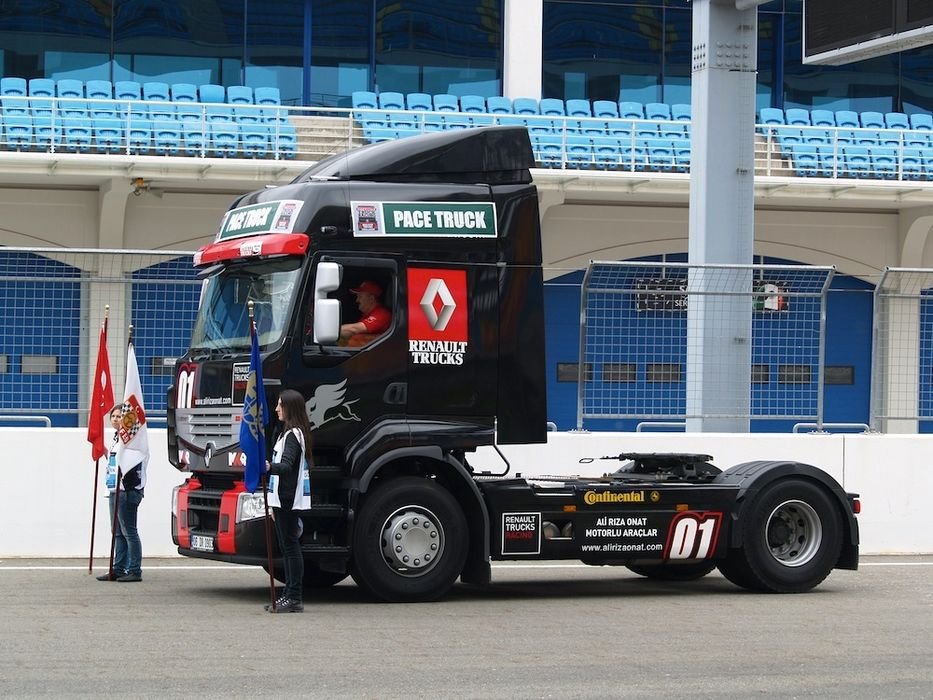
x: 130, y: 578
x: 289, y: 605
x: 107, y: 577
x: 278, y: 601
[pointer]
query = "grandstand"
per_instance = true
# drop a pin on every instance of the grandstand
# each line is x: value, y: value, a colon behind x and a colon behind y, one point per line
x: 136, y: 128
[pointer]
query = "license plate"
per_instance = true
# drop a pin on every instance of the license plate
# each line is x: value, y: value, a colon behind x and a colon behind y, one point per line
x: 202, y: 543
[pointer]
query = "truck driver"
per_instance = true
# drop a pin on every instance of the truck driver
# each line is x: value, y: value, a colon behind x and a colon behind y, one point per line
x: 375, y: 318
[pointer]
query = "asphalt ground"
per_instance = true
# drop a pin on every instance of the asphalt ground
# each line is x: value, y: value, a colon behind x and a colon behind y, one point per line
x: 198, y: 629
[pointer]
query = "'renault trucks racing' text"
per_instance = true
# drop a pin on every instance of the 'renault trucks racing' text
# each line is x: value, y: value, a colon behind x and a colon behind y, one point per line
x: 445, y: 227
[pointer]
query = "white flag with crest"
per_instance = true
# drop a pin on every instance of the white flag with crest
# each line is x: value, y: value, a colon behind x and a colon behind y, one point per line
x: 133, y: 445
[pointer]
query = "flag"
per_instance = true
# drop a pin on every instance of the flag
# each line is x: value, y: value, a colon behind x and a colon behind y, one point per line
x: 255, y: 418
x: 101, y: 399
x: 133, y: 443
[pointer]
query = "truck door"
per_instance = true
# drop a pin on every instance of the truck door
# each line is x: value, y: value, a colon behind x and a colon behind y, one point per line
x: 352, y: 384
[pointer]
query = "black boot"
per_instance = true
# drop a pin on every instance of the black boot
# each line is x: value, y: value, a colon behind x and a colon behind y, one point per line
x: 278, y: 601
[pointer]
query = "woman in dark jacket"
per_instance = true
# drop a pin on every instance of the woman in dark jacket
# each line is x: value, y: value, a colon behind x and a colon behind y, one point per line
x: 290, y: 451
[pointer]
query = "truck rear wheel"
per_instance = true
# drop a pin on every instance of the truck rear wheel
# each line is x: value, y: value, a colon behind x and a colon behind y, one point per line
x: 673, y: 572
x: 410, y: 541
x: 792, y: 537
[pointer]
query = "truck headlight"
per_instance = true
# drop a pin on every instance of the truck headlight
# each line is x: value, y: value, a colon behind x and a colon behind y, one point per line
x: 249, y: 506
x: 175, y: 500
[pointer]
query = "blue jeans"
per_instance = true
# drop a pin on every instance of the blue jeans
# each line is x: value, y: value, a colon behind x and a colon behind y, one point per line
x: 119, y: 541
x: 288, y: 529
x: 129, y: 504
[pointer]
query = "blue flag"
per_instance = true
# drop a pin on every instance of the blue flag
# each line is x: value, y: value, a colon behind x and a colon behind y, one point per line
x: 255, y: 418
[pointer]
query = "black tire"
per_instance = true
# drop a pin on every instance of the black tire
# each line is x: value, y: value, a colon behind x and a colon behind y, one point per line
x: 792, y: 538
x: 673, y: 572
x: 410, y: 541
x: 314, y: 579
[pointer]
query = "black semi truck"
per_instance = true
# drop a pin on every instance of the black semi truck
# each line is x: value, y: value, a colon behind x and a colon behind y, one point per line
x: 446, y: 226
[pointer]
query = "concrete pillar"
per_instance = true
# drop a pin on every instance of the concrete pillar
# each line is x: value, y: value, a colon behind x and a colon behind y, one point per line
x: 724, y: 64
x: 521, y: 71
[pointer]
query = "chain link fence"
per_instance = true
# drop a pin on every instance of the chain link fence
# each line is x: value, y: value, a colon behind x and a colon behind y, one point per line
x: 641, y: 360
x: 902, y: 350
x: 54, y: 302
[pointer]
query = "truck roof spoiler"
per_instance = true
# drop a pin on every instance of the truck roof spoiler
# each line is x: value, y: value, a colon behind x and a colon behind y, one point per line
x: 495, y: 154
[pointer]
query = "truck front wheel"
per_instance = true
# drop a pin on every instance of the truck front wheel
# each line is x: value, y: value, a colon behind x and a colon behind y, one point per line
x: 410, y: 541
x: 792, y: 536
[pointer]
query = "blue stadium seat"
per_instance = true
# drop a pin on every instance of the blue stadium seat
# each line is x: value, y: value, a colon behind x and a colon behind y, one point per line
x: 472, y: 104
x: 525, y: 105
x: 631, y: 110
x: 219, y: 112
x: 184, y: 92
x: 551, y: 106
x: 405, y: 133
x: 419, y: 101
x: 363, y: 99
x: 822, y: 117
x: 240, y: 95
x: 771, y: 115
x: 286, y: 141
x: 69, y: 87
x: 166, y: 137
x: 18, y: 128
x: 657, y: 110
x: 14, y: 104
x: 797, y: 116
x: 847, y: 119
x: 548, y: 150
x: 255, y: 139
x: 682, y: 152
x: 672, y: 130
x: 786, y: 138
x: 99, y: 109
x: 681, y: 112
x: 499, y: 105
x: 883, y: 162
x: 634, y: 156
x: 13, y: 87
x: 579, y: 151
x: 857, y: 162
x: 806, y: 160
x: 48, y: 131
x: 896, y: 120
x: 830, y: 160
x: 446, y: 103
x: 917, y: 139
x: 606, y: 109
x: 921, y: 121
x: 188, y: 111
x: 660, y: 154
x: 41, y: 96
x: 866, y: 137
x: 249, y: 114
x: 391, y: 100
x: 578, y: 108
x: 646, y: 130
x: 161, y: 111
x: 127, y: 90
x: 108, y: 135
x: 267, y: 96
x: 606, y: 151
x: 98, y: 90
x: 926, y: 155
x: 378, y: 134
x: 212, y: 93
x: 139, y: 136
x: 872, y: 120
x: 591, y: 127
x: 155, y: 91
x: 77, y: 134
x: 620, y: 128
x: 224, y: 139
x: 196, y: 137
x: 911, y: 164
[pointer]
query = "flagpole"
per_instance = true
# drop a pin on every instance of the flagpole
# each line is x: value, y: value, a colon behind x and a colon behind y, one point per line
x: 265, y: 491
x: 94, y: 485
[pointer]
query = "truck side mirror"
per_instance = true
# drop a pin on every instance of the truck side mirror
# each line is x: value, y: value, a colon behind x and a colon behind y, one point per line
x: 326, y: 311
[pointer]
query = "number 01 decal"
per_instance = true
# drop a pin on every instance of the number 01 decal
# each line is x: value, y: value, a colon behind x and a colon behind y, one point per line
x: 692, y: 536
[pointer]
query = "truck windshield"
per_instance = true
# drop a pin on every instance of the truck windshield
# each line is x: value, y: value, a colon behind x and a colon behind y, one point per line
x: 223, y: 315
